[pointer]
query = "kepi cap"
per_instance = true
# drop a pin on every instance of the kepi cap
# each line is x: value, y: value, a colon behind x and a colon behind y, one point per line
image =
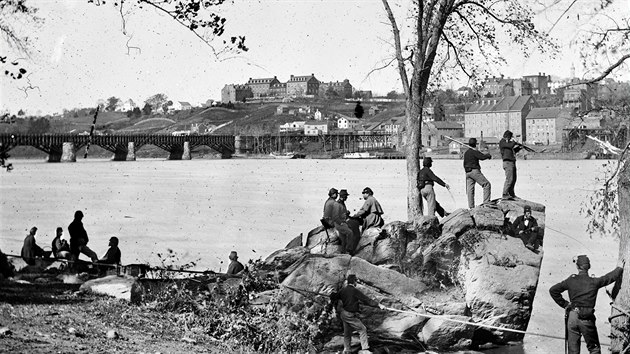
x: 582, y: 261
x: 527, y: 208
x: 367, y: 190
x: 427, y: 161
x: 343, y: 192
x: 472, y: 142
x: 332, y: 191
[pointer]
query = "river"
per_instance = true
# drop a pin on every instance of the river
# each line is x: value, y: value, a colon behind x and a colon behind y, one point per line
x: 203, y: 208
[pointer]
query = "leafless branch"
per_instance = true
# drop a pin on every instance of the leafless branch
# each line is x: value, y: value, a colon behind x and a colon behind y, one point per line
x: 561, y: 16
x: 29, y: 87
x: 485, y: 9
x: 380, y: 67
x: 603, y: 75
x: 397, y: 46
x: 459, y: 62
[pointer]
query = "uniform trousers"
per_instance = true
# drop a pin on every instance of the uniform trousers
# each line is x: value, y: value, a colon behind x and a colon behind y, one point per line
x: 473, y: 177
x: 351, y: 322
x: 582, y: 328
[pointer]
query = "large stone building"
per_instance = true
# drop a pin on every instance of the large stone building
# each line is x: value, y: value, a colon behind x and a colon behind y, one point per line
x: 296, y: 86
x: 262, y: 87
x: 526, y: 86
x: 545, y: 125
x: 302, y: 85
x: 492, y: 117
x: 236, y: 93
x: 341, y: 88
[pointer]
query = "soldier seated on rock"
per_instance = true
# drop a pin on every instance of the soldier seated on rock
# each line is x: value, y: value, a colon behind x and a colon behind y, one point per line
x: 111, y: 258
x: 60, y: 247
x: 526, y: 227
x: 30, y: 249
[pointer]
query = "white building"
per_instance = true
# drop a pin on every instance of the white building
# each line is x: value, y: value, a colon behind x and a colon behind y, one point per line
x: 292, y: 127
x: 315, y: 128
x: 347, y: 122
x: 318, y: 115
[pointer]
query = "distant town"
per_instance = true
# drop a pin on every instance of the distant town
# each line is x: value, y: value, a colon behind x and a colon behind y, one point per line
x: 537, y: 109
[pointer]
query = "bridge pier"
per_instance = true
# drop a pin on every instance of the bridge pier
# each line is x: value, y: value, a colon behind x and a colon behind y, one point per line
x: 131, y: 151
x: 186, y: 152
x: 68, y: 153
x: 120, y: 153
x: 180, y: 152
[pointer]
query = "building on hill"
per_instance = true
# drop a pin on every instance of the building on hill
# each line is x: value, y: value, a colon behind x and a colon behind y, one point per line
x: 262, y: 87
x: 302, y: 86
x: 292, y: 127
x: 344, y: 122
x: 341, y: 88
x: 236, y: 93
x: 539, y: 83
x: 545, y: 125
x: 315, y: 128
x: 366, y: 95
x: 433, y: 133
x: 497, y: 87
x: 492, y: 117
x: 317, y: 115
x: 126, y: 106
x: 278, y: 89
x: 373, y: 110
x: 526, y: 86
x: 579, y: 95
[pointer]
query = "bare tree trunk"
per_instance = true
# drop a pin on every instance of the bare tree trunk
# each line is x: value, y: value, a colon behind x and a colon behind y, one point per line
x: 413, y: 145
x: 620, y: 325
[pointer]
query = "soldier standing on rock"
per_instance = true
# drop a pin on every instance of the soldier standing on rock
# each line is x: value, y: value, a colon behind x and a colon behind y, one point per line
x: 426, y: 180
x: 508, y: 148
x: 348, y: 299
x: 473, y: 173
x: 580, y: 317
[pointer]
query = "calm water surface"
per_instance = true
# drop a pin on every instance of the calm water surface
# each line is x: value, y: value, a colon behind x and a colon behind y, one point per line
x: 203, y: 209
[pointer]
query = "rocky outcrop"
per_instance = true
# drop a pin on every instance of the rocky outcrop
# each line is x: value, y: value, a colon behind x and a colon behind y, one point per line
x: 439, y: 279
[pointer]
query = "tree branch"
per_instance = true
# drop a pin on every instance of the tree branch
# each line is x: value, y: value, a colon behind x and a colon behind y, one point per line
x: 603, y: 75
x: 459, y: 62
x: 397, y: 46
x: 485, y: 9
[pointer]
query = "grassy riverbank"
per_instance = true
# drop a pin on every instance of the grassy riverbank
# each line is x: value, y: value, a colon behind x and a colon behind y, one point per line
x: 57, y: 318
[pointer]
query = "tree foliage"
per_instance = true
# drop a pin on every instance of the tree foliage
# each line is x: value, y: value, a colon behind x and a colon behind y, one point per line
x: 112, y: 103
x: 201, y: 17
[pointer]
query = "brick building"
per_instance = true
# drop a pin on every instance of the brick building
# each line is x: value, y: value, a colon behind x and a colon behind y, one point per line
x: 492, y: 117
x: 235, y: 93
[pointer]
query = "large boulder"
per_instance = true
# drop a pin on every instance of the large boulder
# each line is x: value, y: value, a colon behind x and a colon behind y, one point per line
x: 458, y: 222
x: 488, y: 217
x: 113, y: 285
x: 440, y: 333
x: 468, y: 268
x: 321, y: 240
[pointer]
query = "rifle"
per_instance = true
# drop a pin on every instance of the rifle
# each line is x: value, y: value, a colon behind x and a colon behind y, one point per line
x: 87, y: 148
x: 459, y: 142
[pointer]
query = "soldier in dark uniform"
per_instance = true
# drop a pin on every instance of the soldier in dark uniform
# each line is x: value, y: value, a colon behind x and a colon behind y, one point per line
x: 472, y: 167
x: 582, y: 289
x: 348, y: 299
x: 509, y: 148
x: 526, y: 227
x: 426, y: 181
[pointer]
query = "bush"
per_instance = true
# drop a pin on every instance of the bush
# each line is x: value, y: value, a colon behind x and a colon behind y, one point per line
x: 228, y: 317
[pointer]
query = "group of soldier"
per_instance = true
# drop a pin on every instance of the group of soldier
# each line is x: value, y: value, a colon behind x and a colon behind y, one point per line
x: 71, y: 251
x: 582, y: 288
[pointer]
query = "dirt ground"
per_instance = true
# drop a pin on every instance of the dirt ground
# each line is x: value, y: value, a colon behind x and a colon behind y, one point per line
x: 57, y: 318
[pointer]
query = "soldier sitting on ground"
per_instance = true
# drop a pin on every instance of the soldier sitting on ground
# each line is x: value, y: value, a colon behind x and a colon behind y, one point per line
x: 526, y: 227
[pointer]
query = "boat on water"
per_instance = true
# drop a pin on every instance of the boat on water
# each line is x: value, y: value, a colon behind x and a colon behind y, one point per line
x: 287, y: 155
x: 358, y: 155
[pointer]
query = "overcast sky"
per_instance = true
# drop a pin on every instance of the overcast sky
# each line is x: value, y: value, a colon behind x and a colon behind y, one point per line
x: 80, y: 52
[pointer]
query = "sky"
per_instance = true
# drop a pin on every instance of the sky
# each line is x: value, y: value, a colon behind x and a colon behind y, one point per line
x: 80, y: 55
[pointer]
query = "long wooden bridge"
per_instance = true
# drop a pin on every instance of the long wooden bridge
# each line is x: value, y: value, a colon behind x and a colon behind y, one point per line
x: 64, y: 147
